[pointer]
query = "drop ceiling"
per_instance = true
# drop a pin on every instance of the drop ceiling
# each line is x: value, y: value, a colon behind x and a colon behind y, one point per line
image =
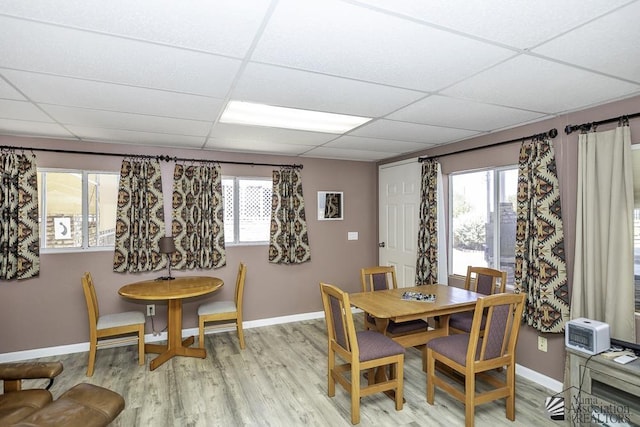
x: 159, y: 73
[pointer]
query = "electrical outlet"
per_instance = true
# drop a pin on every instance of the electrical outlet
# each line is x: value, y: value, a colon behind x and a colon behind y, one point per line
x: 151, y: 310
x: 542, y: 344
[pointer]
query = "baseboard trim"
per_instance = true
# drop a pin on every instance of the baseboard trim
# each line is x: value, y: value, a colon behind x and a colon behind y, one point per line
x: 16, y: 356
x: 150, y: 338
x: 538, y: 378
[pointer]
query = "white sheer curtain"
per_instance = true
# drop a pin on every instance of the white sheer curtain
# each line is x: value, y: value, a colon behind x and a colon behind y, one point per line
x: 603, y: 286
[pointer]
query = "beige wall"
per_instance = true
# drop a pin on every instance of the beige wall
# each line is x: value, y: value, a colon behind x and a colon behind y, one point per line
x: 50, y: 310
x: 566, y: 150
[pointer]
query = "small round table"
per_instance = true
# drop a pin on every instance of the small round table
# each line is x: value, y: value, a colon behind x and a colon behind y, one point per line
x: 174, y: 291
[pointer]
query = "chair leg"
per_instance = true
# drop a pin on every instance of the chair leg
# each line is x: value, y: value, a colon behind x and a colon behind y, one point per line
x: 331, y: 386
x: 240, y: 333
x: 399, y: 370
x: 355, y: 394
x: 511, y: 399
x: 431, y: 369
x: 141, y: 345
x: 93, y: 347
x: 201, y: 333
x: 469, y: 398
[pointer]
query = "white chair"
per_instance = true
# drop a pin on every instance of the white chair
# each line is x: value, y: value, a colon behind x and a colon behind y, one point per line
x: 110, y: 325
x: 223, y: 311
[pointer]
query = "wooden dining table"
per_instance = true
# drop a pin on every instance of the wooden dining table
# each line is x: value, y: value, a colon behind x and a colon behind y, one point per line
x: 387, y: 305
x: 173, y: 291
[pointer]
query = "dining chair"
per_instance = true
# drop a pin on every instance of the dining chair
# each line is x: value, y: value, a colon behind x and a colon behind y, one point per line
x: 362, y: 350
x: 384, y: 277
x: 121, y: 325
x: 222, y: 312
x: 483, y: 280
x: 471, y: 355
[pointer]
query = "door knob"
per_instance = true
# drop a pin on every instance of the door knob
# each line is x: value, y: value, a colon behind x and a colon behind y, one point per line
x: 381, y: 245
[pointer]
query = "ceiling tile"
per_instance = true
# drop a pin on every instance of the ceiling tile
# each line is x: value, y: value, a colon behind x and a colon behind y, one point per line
x: 375, y: 144
x: 106, y: 96
x: 132, y: 137
x: 518, y: 23
x: 451, y: 112
x: 155, y: 72
x: 325, y: 37
x: 7, y: 91
x: 25, y: 128
x: 528, y: 82
x: 225, y: 26
x: 340, y: 154
x: 257, y: 146
x: 604, y: 37
x: 126, y: 121
x: 413, y: 132
x: 22, y: 110
x: 292, y: 88
x: 222, y: 131
x: 73, y: 53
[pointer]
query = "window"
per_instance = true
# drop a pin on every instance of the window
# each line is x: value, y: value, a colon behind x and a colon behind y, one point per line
x: 77, y: 209
x: 483, y: 220
x: 247, y: 209
x: 636, y: 223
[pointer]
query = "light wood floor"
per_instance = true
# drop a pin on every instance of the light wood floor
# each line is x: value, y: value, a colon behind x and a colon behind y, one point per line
x: 278, y: 380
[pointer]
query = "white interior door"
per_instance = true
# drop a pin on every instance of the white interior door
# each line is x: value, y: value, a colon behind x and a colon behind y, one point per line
x: 398, y: 209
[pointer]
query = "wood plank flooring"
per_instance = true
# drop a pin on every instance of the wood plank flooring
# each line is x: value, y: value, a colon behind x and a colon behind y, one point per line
x: 278, y: 380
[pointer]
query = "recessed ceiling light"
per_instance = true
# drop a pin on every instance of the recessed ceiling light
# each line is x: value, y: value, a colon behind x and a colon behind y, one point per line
x: 248, y: 113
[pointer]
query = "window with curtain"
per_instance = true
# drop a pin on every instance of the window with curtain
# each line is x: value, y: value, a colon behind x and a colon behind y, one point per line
x: 483, y: 219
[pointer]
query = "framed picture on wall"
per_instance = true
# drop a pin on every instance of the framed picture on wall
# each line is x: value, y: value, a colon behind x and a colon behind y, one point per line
x: 330, y: 205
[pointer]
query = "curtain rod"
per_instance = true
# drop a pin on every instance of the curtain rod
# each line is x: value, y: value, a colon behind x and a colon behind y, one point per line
x: 552, y: 133
x: 586, y: 126
x: 146, y: 156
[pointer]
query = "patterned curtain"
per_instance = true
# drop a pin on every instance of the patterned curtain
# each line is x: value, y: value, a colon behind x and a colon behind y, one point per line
x: 140, y: 217
x: 289, y: 239
x: 427, y: 263
x: 198, y: 227
x: 541, y: 270
x: 19, y: 231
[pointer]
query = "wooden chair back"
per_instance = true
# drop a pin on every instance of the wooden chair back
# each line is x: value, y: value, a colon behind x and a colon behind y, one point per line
x: 499, y: 337
x: 92, y: 301
x: 341, y: 330
x: 240, y: 279
x: 378, y: 278
x: 484, y: 280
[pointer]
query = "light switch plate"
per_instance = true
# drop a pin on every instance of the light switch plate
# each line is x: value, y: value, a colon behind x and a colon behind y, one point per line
x: 352, y: 235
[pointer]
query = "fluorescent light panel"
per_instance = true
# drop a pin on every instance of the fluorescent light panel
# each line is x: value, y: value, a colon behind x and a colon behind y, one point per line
x: 248, y: 113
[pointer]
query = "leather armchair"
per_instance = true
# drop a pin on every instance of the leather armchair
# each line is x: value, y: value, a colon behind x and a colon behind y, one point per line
x: 84, y: 405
